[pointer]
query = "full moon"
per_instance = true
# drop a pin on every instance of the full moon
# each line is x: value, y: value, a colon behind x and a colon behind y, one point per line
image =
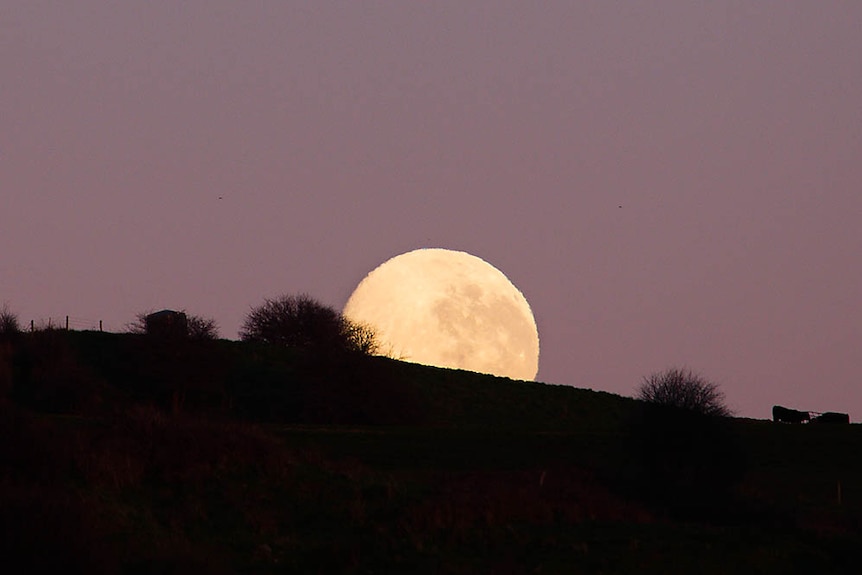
x: 448, y: 309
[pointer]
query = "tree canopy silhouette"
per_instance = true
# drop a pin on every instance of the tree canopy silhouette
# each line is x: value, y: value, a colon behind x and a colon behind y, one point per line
x: 684, y: 389
x: 302, y: 321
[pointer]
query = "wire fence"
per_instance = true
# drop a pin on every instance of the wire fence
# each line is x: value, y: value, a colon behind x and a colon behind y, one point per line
x: 68, y: 322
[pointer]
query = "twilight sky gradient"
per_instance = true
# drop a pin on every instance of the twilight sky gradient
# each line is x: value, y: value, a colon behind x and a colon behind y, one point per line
x: 207, y: 154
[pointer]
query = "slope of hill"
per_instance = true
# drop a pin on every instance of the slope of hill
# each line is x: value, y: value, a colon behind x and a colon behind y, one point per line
x: 121, y: 453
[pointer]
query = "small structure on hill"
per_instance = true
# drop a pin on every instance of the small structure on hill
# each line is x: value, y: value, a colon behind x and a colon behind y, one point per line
x: 167, y: 324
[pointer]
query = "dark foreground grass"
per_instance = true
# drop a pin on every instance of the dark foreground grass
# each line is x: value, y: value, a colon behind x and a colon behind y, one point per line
x: 123, y: 454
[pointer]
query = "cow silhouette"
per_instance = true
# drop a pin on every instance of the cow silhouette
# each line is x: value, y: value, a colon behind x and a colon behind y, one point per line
x: 786, y: 415
x: 832, y: 417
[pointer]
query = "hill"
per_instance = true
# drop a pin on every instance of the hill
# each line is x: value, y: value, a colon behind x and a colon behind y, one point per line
x: 123, y: 453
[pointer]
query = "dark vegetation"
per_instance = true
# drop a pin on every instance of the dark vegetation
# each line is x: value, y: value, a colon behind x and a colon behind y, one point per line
x: 684, y: 389
x: 184, y: 325
x: 136, y: 454
x: 9, y: 323
x: 301, y: 321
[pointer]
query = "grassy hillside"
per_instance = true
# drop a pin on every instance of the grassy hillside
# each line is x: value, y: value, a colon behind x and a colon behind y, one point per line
x: 121, y: 453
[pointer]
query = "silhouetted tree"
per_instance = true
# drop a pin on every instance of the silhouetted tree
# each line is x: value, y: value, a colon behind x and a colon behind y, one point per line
x: 301, y: 321
x: 139, y: 324
x: 684, y: 389
x: 8, y: 321
x: 202, y: 327
x: 361, y: 337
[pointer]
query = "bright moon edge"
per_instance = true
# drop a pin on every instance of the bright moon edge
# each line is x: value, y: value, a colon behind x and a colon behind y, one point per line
x: 448, y: 309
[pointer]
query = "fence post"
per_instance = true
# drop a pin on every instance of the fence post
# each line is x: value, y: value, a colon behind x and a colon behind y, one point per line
x: 32, y: 328
x: 100, y: 325
x: 67, y: 323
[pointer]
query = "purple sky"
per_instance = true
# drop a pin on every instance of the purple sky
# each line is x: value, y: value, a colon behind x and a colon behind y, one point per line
x: 341, y: 134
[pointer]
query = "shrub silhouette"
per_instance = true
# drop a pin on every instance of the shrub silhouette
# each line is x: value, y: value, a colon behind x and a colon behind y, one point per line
x: 202, y: 328
x: 139, y: 324
x: 9, y: 324
x: 301, y: 321
x: 684, y: 389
